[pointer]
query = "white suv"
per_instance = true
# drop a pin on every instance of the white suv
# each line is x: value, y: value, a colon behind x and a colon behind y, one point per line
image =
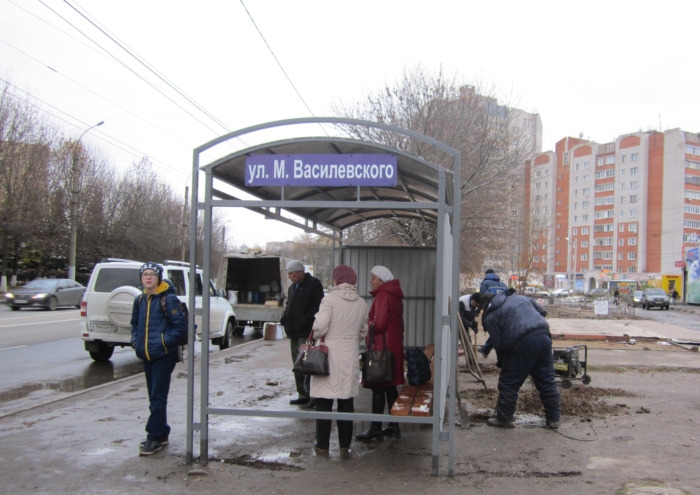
x: 105, y: 313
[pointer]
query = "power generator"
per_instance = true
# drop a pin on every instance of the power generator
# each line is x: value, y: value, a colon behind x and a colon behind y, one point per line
x: 568, y: 364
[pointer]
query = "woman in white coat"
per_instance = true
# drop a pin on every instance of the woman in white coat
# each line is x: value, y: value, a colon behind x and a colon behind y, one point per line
x: 342, y: 322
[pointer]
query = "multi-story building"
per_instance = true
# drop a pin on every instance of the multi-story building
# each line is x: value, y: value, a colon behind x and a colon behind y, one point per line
x: 625, y: 210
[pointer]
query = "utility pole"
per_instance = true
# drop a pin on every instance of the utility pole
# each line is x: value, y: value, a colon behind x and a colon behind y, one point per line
x: 74, y: 199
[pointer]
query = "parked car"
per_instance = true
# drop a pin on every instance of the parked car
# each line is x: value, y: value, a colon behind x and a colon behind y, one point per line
x: 597, y: 293
x: 48, y: 293
x: 105, y: 313
x: 637, y: 298
x: 562, y: 292
x: 655, y: 298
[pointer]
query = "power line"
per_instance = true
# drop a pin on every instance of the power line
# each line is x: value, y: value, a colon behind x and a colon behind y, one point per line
x: 276, y: 60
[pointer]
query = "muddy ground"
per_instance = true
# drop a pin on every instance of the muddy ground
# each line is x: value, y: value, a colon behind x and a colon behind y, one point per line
x: 633, y: 430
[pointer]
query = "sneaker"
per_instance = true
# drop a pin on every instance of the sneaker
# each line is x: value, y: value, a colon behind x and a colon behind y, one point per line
x: 150, y: 447
x: 163, y: 441
x: 552, y: 424
x: 499, y: 423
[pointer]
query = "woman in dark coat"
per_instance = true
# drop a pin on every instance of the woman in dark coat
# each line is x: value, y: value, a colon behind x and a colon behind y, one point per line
x: 386, y: 319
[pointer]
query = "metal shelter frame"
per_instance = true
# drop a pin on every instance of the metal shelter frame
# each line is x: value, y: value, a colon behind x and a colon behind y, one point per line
x: 422, y: 192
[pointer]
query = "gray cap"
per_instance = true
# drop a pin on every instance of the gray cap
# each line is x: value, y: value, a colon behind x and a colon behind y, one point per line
x: 294, y: 266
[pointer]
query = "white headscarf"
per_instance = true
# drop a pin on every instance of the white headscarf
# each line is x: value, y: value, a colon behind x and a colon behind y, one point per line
x: 382, y: 273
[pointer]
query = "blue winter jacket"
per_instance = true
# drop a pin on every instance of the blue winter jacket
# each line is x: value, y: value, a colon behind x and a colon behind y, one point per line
x: 153, y: 335
x: 491, y: 280
x: 508, y: 319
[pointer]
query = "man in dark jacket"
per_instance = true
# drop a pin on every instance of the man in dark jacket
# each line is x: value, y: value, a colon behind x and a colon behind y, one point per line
x: 156, y: 331
x: 520, y: 335
x: 303, y: 300
x: 491, y: 279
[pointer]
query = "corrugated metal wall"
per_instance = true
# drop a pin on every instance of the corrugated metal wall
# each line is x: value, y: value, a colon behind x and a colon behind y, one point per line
x: 415, y: 269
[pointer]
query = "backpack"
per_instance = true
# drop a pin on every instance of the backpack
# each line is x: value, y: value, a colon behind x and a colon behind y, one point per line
x: 418, y: 367
x: 164, y: 309
x: 497, y: 289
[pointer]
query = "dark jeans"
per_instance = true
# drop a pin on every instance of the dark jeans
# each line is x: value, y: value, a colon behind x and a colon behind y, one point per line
x: 323, y: 426
x: 533, y: 357
x: 303, y: 382
x: 158, y: 384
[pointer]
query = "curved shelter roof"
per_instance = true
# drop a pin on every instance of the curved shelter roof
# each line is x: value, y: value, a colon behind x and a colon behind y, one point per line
x: 415, y: 195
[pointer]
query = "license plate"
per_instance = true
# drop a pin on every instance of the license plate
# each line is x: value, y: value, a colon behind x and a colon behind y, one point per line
x: 102, y: 327
x: 20, y: 301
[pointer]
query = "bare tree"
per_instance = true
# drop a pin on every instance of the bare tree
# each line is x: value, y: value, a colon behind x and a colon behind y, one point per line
x: 24, y: 147
x: 493, y: 142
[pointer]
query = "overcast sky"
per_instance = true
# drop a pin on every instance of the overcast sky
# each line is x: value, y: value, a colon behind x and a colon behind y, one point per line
x: 601, y: 68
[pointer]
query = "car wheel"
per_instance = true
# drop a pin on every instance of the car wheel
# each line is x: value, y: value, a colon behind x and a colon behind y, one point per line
x: 15, y: 308
x: 666, y: 308
x: 239, y: 331
x: 102, y: 355
x: 227, y: 340
x: 53, y: 303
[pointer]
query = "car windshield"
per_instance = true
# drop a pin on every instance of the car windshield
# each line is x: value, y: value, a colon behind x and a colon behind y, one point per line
x: 42, y: 284
x: 656, y: 292
x: 637, y: 293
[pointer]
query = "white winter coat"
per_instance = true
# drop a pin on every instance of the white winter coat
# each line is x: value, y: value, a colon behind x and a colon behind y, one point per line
x: 342, y: 321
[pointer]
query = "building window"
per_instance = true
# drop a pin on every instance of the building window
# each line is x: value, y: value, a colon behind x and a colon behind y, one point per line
x: 600, y: 161
x: 584, y: 256
x: 621, y: 241
x: 633, y: 213
x: 634, y: 171
x: 609, y: 159
x: 623, y: 158
x: 631, y: 241
x: 632, y: 256
x: 621, y: 227
x: 633, y: 198
x: 634, y: 157
x: 692, y: 150
x: 691, y: 224
x: 622, y: 213
x: 621, y: 256
x: 634, y: 184
x: 584, y: 244
x: 622, y: 200
x: 631, y: 269
x: 586, y: 204
x: 588, y: 165
x: 632, y: 227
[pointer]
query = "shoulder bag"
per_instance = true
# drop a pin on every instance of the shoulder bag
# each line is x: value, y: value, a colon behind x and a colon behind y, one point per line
x: 377, y: 366
x: 312, y: 359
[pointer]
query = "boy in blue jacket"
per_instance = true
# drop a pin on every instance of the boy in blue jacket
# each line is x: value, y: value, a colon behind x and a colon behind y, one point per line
x: 156, y: 331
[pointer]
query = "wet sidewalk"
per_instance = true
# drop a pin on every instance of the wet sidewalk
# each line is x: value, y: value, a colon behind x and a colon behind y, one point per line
x: 88, y: 442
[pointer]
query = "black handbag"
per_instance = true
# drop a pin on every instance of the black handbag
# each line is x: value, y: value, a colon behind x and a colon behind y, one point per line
x: 312, y: 359
x: 377, y: 366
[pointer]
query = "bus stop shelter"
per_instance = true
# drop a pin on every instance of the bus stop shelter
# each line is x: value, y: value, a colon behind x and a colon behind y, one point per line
x: 329, y: 183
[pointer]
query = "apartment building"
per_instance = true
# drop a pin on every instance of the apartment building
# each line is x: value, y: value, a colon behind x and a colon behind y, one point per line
x: 625, y: 210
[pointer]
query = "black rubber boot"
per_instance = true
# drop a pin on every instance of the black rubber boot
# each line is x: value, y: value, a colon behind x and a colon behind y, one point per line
x: 392, y: 430
x: 375, y: 429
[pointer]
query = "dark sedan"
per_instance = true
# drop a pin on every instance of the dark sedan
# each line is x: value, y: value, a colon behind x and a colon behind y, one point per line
x: 48, y: 293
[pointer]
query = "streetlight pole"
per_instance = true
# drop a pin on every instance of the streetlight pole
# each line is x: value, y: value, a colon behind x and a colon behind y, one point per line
x: 74, y: 197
